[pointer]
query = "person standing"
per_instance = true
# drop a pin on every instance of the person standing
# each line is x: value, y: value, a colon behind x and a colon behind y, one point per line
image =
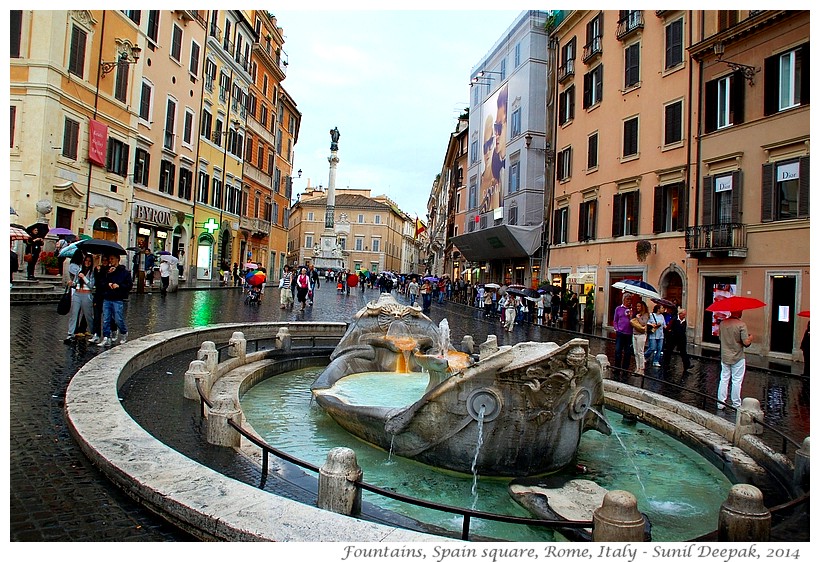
x: 82, y: 283
x: 236, y: 278
x: 656, y: 331
x: 639, y: 321
x: 413, y: 291
x: 302, y: 286
x: 804, y: 346
x: 33, y: 248
x: 426, y: 292
x: 574, y: 312
x: 285, y: 293
x: 164, y: 275
x: 623, y: 332
x: 100, y: 273
x: 510, y: 306
x: 149, y: 268
x: 118, y: 285
x: 539, y: 310
x: 734, y: 339
x: 677, y: 340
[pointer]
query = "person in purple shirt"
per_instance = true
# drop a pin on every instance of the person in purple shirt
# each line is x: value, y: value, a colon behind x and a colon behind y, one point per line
x: 623, y: 333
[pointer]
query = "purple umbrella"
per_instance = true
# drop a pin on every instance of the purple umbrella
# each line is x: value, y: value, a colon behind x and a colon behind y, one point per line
x: 61, y: 232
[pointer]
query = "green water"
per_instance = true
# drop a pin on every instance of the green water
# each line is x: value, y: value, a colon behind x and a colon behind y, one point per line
x: 677, y: 489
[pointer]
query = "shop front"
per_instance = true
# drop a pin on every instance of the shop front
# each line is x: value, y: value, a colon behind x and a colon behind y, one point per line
x: 153, y: 225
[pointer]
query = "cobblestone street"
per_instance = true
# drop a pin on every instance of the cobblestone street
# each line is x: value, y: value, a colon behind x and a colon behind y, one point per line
x: 56, y: 494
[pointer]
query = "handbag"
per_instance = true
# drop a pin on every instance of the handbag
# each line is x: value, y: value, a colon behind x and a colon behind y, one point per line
x: 637, y: 326
x: 65, y: 302
x: 27, y: 258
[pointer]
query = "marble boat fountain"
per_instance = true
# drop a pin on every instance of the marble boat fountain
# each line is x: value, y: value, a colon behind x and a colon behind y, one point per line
x: 508, y: 411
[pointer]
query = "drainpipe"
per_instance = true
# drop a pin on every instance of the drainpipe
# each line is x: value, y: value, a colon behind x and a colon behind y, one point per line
x: 96, y: 103
x: 194, y: 240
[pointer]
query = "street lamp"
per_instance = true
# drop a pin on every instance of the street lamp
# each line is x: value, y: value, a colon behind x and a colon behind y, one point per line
x: 129, y: 56
x: 289, y: 186
x: 748, y: 71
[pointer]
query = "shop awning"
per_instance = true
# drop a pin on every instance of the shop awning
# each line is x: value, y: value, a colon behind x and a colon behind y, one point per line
x: 580, y: 278
x: 499, y: 242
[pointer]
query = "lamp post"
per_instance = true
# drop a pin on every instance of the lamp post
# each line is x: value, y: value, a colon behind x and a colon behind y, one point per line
x: 129, y: 56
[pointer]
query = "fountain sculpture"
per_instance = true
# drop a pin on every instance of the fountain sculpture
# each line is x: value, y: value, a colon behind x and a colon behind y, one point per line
x: 511, y: 411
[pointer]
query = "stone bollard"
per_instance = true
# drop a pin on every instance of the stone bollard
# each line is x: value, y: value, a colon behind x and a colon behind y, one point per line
x: 208, y: 353
x: 743, y: 516
x: 237, y: 345
x: 218, y: 431
x: 801, y: 466
x: 618, y: 519
x: 468, y: 345
x: 606, y: 372
x: 488, y: 347
x: 197, y: 371
x: 748, y: 413
x: 283, y: 339
x: 337, y: 491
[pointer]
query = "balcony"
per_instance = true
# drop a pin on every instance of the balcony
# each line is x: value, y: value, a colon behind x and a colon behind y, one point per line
x: 566, y: 71
x: 594, y: 49
x: 716, y: 240
x: 257, y: 227
x: 629, y: 24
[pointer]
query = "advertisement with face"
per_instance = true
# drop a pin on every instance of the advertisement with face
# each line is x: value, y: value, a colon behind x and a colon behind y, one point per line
x: 719, y: 292
x: 494, y: 150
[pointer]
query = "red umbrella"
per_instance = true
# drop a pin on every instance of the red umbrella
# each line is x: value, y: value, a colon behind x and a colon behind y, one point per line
x: 352, y: 280
x: 803, y: 313
x: 735, y: 304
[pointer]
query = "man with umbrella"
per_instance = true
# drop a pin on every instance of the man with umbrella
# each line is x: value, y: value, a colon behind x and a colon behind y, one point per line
x: 734, y: 339
x: 118, y: 286
x: 34, y: 245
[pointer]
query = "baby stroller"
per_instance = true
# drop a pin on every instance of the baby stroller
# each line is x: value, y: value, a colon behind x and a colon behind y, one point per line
x: 253, y: 295
x: 340, y: 287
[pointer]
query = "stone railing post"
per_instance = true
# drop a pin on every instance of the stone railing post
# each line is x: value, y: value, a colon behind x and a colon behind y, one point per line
x: 468, y: 345
x: 197, y: 371
x: 618, y: 519
x: 743, y: 516
x: 745, y: 421
x: 237, y: 345
x: 801, y: 466
x: 210, y: 356
x: 337, y: 491
x: 283, y: 339
x: 488, y: 347
x: 606, y: 372
x: 218, y: 431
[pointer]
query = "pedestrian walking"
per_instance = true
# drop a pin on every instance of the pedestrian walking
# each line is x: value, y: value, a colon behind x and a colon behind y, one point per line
x: 118, y: 285
x: 302, y: 286
x: 676, y: 339
x: 639, y: 322
x: 426, y: 292
x: 413, y: 291
x: 100, y: 274
x: 285, y: 291
x: 165, y: 275
x: 237, y: 279
x: 623, y: 332
x: 510, y: 306
x: 734, y: 339
x: 656, y: 332
x: 82, y: 284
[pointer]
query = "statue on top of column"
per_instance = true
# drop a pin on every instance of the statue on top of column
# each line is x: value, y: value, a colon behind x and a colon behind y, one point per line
x: 334, y: 138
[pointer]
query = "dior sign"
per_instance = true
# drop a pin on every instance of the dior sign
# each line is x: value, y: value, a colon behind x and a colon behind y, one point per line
x: 162, y: 217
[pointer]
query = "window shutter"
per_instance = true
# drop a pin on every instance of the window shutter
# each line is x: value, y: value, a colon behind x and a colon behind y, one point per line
x: 599, y: 82
x: 805, y: 79
x: 657, y: 217
x: 636, y: 214
x: 571, y: 100
x: 771, y: 83
x: 738, y: 95
x: 767, y: 193
x: 710, y: 118
x: 562, y: 105
x: 556, y: 225
x: 617, y: 215
x: 736, y: 194
x: 581, y: 219
x: 587, y: 90
x: 708, y: 195
x: 559, y: 168
x: 803, y: 196
x: 682, y: 207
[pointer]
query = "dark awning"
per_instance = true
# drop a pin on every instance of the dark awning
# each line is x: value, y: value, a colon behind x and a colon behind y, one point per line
x: 498, y: 242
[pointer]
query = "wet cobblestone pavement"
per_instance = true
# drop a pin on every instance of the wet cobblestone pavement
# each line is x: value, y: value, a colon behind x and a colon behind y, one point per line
x: 56, y: 494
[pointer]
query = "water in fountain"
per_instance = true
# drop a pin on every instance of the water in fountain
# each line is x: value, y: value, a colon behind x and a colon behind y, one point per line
x: 479, y: 442
x: 444, y: 338
x: 629, y: 454
x: 400, y: 336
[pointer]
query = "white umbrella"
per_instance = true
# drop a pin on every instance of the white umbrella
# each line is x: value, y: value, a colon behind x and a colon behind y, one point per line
x: 638, y: 287
x: 173, y: 260
x: 492, y: 286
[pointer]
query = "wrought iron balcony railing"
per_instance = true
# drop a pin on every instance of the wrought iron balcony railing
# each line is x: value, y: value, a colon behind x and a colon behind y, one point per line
x: 716, y: 240
x: 631, y: 22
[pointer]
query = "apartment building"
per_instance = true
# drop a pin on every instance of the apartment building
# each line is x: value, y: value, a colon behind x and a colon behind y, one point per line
x: 506, y: 174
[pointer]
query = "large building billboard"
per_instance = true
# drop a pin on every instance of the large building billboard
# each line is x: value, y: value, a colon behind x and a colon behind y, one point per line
x: 494, y: 150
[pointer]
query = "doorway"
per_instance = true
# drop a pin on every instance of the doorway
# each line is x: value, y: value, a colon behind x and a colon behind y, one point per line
x: 782, y: 315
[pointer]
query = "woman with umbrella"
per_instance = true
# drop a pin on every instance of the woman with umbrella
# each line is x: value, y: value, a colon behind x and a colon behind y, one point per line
x: 34, y: 246
x: 82, y: 284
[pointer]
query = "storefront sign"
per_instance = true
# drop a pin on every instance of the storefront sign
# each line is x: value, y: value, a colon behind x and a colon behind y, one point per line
x: 97, y: 141
x: 723, y: 184
x: 161, y: 217
x: 788, y: 172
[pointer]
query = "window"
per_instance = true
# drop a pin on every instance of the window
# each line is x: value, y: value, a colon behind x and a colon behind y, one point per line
x: 669, y: 213
x: 567, y: 67
x: 359, y: 244
x: 361, y: 218
x: 142, y: 166
x: 724, y: 102
x: 71, y: 138
x: 146, y: 95
x: 216, y: 193
x: 193, y: 67
x: 515, y: 127
x: 153, y: 25
x: 592, y: 151
x: 170, y: 124
x: 594, y: 86
x: 308, y: 241
x: 474, y: 152
x: 117, y: 157
x: 186, y: 178
x: 176, y: 43
x: 121, y: 81
x: 472, y: 195
x: 625, y: 214
x: 16, y: 27
x: 785, y: 190
x: 594, y: 36
x: 205, y: 125
x: 376, y: 244
x: 632, y: 65
x: 166, y: 177
x: 566, y: 106
x: 210, y: 74
x: 503, y: 69
x: 674, y: 44
x: 560, y: 225
x: 786, y: 80
x: 512, y: 215
x: 188, y: 127
x: 630, y: 137
x: 587, y: 219
x: 673, y: 123
x: 204, y: 184
x: 377, y: 219
x: 721, y: 198
x: 517, y: 55
x: 76, y: 55
x: 133, y: 15
x: 726, y: 19
x: 564, y: 164
x: 515, y: 176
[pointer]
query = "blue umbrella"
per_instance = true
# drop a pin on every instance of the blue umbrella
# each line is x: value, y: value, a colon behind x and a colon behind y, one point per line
x: 638, y: 287
x: 69, y: 250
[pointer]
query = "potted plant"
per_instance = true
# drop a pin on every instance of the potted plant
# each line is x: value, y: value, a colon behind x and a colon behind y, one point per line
x: 642, y: 249
x: 589, y: 311
x: 50, y: 263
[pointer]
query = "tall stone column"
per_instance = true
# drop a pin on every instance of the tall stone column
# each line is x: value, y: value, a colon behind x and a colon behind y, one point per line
x: 333, y: 159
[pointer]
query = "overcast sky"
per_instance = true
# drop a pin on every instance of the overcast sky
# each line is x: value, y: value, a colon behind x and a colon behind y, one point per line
x: 393, y: 82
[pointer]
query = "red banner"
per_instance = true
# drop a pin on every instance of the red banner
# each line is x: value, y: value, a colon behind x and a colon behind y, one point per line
x: 97, y: 141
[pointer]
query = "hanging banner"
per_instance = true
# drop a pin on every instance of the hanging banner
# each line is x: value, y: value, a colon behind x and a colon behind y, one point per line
x: 97, y: 141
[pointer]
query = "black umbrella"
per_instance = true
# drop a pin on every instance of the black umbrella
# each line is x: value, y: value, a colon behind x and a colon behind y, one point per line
x: 524, y: 292
x: 98, y: 246
x: 38, y: 230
